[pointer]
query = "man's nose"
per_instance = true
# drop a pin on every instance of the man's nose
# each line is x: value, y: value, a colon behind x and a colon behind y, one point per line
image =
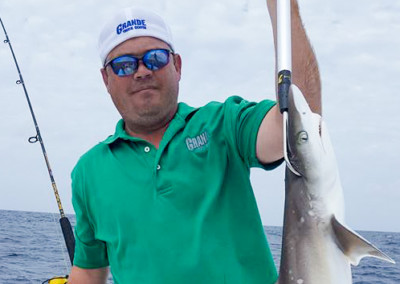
x: 142, y: 71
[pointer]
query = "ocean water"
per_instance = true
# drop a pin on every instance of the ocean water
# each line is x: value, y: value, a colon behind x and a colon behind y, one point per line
x: 32, y: 250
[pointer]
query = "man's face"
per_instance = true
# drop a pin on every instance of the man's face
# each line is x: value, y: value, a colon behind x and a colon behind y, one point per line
x: 146, y: 100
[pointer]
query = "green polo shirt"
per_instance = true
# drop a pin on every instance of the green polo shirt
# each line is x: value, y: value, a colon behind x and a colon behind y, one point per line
x: 183, y: 213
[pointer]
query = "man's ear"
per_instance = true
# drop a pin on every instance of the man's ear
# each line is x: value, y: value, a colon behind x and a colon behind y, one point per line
x: 178, y: 64
x: 105, y: 76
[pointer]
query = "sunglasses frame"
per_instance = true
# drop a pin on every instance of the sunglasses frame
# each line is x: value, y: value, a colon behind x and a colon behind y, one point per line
x: 139, y: 59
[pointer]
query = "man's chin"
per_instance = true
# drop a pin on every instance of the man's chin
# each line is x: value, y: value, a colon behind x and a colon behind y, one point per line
x: 154, y: 116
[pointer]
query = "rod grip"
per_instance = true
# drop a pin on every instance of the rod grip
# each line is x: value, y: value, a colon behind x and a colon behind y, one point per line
x: 68, y: 237
x: 284, y: 82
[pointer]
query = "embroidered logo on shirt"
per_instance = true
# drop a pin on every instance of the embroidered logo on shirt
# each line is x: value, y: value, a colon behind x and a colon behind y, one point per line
x: 197, y: 142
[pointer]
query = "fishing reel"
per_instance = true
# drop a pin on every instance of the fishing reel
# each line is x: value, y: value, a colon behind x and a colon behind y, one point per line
x: 57, y: 280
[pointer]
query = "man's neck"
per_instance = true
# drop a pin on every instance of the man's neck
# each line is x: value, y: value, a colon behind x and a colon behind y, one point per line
x: 154, y: 137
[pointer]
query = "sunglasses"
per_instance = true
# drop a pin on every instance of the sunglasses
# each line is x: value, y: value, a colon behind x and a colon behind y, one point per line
x: 126, y: 65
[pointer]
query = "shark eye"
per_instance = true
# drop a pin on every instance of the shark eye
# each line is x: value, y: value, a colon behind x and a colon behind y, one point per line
x: 302, y: 137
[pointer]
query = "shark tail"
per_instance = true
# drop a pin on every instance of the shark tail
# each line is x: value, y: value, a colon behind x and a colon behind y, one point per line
x: 354, y: 246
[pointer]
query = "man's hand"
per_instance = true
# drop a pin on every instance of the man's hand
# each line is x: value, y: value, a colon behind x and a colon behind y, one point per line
x: 85, y: 276
x: 305, y: 75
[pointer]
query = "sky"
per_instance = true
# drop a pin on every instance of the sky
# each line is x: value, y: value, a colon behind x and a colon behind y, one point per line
x: 227, y: 49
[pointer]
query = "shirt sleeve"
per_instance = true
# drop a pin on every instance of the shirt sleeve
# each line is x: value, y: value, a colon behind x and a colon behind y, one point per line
x: 243, y: 120
x: 89, y: 251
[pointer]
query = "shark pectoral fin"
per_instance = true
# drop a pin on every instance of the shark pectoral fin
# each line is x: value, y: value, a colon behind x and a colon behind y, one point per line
x: 354, y: 246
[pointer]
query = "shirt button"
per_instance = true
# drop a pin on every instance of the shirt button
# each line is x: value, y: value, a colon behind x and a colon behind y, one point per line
x: 147, y: 149
x: 158, y: 167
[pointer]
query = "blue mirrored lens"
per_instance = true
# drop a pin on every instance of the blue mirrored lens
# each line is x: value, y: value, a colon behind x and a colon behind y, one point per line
x: 156, y: 59
x: 124, y: 65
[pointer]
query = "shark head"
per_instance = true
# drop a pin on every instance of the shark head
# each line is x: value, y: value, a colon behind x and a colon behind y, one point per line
x: 309, y: 146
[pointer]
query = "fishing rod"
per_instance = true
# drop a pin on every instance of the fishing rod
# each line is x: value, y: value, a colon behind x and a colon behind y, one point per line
x: 284, y: 61
x: 64, y: 221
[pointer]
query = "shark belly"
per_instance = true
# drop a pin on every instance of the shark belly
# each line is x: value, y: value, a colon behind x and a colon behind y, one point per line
x: 310, y: 253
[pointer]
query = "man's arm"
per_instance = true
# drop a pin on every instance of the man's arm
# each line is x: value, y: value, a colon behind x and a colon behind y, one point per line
x: 305, y: 75
x: 84, y: 276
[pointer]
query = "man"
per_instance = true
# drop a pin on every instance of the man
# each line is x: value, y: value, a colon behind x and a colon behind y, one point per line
x: 167, y: 198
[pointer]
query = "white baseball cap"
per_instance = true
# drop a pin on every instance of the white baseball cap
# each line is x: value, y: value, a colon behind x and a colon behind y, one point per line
x: 130, y: 23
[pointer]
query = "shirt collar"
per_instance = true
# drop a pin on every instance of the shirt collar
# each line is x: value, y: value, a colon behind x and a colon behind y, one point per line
x: 182, y: 113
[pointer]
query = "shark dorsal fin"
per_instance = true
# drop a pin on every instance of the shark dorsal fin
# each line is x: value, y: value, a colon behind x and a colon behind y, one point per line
x: 354, y: 246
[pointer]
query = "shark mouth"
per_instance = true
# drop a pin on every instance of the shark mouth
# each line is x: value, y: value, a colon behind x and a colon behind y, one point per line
x: 301, y: 137
x: 287, y: 153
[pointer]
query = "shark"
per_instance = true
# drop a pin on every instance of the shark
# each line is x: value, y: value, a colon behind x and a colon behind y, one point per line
x: 317, y: 246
